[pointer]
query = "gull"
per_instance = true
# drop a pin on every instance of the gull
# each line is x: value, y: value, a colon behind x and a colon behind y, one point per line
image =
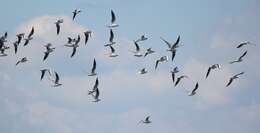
x: 15, y: 46
x: 87, y: 35
x: 57, y: 23
x: 179, y: 79
x: 146, y: 120
x: 95, y: 87
x: 56, y: 80
x: 142, y: 38
x: 23, y: 60
x: 240, y: 59
x: 49, y: 49
x: 233, y: 77
x: 161, y: 59
x: 112, y: 54
x: 193, y: 92
x: 244, y: 43
x: 175, y: 70
x: 93, y: 70
x: 172, y: 47
x: 111, y: 39
x: 143, y: 71
x: 214, y: 66
x: 74, y: 46
x: 148, y: 51
x: 113, y: 20
x: 43, y: 72
x: 29, y: 37
x: 137, y: 50
x: 20, y: 37
x: 75, y: 13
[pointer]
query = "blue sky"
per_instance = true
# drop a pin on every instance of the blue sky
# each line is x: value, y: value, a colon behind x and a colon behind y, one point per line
x: 209, y: 30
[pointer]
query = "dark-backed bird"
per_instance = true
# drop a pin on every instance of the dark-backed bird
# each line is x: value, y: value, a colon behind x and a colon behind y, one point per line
x: 214, y: 66
x: 57, y: 23
x: 111, y: 39
x: 93, y: 70
x: 244, y: 43
x: 87, y: 36
x: 172, y: 47
x: 75, y: 13
x: 193, y: 92
x: 43, y: 71
x: 179, y: 79
x: 161, y: 59
x: 49, y: 50
x: 23, y: 60
x: 240, y: 59
x: 233, y: 77
x: 146, y: 120
x: 113, y: 20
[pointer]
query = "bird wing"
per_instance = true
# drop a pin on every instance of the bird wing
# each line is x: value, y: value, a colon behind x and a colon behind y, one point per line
x: 94, y: 66
x: 112, y: 49
x: 156, y: 64
x: 31, y: 33
x: 26, y: 42
x: 239, y: 74
x: 208, y: 72
x: 74, y: 14
x: 86, y: 38
x: 173, y: 54
x: 111, y: 38
x: 137, y: 48
x: 113, y: 17
x: 15, y: 47
x: 178, y: 80
x: 46, y: 54
x: 240, y: 45
x: 42, y: 73
x: 196, y: 87
x: 244, y: 54
x: 229, y: 82
x: 168, y: 44
x: 96, y: 84
x: 73, y: 51
x: 173, y: 77
x: 58, y: 28
x: 57, y: 78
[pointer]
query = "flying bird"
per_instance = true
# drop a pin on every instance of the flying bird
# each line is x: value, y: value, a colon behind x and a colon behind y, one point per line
x: 112, y: 54
x: 31, y: 33
x: 57, y: 23
x: 2, y: 50
x: 95, y: 87
x: 179, y: 79
x: 214, y: 66
x: 15, y: 46
x: 240, y: 59
x: 95, y: 95
x: 148, y: 51
x: 233, y: 77
x: 143, y: 71
x: 93, y: 70
x: 49, y: 50
x: 23, y: 60
x: 111, y: 39
x: 113, y: 20
x: 146, y: 120
x: 244, y: 43
x: 75, y: 13
x: 29, y: 37
x: 20, y: 37
x: 172, y: 47
x: 175, y: 70
x: 193, y: 92
x: 74, y: 46
x: 87, y: 35
x: 43, y: 71
x: 137, y: 50
x: 161, y: 59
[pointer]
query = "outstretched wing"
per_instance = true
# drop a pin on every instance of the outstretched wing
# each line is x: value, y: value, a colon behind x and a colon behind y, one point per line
x: 209, y: 69
x: 168, y: 44
x: 113, y: 16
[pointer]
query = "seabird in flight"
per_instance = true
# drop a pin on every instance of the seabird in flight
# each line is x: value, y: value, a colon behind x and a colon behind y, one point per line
x: 49, y: 49
x: 20, y: 37
x: 15, y: 46
x: 113, y: 20
x: 75, y: 13
x: 161, y: 59
x: 29, y: 37
x: 172, y: 47
x: 193, y: 92
x: 146, y: 120
x: 179, y: 79
x: 175, y: 70
x: 93, y: 70
x: 240, y: 59
x: 234, y: 77
x: 137, y: 50
x: 95, y: 95
x: 87, y: 35
x: 142, y: 38
x: 95, y: 87
x: 214, y: 66
x: 23, y: 60
x: 111, y: 39
x: 57, y: 23
x: 74, y: 46
x: 148, y: 51
x: 143, y: 71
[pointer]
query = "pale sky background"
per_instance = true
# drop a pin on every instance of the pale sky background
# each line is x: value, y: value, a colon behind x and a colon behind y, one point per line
x: 209, y: 30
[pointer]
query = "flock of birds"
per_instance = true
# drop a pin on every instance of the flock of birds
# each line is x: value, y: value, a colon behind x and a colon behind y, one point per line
x: 74, y: 44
